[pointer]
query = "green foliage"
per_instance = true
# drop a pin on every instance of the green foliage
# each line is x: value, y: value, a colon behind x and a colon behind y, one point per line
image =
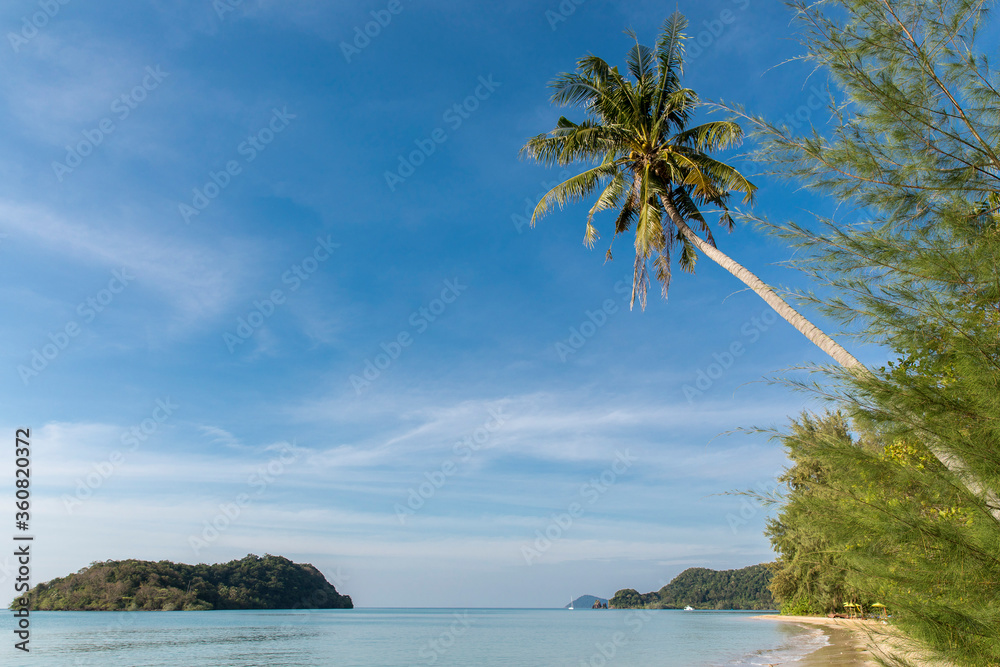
x: 651, y: 168
x: 271, y: 582
x: 802, y: 605
x: 883, y: 521
x: 909, y: 504
x: 702, y: 588
x: 809, y: 576
x: 629, y: 598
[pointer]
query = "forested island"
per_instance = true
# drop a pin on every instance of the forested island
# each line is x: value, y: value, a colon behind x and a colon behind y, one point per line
x: 588, y: 602
x: 701, y: 588
x: 254, y: 582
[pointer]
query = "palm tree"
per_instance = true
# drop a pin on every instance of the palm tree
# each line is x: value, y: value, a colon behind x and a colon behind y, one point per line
x: 652, y: 168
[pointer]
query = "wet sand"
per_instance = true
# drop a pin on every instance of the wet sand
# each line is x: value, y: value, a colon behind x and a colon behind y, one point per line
x: 845, y: 649
x: 851, y: 641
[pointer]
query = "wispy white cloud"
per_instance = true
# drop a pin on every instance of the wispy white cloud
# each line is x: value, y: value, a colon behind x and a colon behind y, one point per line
x: 63, y: 85
x: 219, y: 436
x: 196, y: 280
x: 570, y: 426
x: 64, y: 441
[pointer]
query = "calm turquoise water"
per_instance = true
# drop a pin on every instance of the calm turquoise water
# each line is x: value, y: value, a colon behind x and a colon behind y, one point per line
x: 391, y: 637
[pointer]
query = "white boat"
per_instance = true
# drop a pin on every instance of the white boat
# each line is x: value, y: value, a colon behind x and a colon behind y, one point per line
x: 689, y: 608
x: 570, y: 604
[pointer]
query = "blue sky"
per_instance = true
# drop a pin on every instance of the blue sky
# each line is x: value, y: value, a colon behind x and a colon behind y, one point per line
x: 218, y: 309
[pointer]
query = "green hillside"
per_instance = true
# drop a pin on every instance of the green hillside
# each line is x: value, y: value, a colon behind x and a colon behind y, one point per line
x: 586, y: 602
x: 701, y: 588
x: 271, y: 582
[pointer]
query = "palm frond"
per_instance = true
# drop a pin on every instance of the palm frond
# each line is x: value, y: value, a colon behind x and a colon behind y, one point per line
x: 611, y: 197
x: 712, y: 180
x: 674, y: 111
x: 670, y: 47
x: 644, y: 228
x: 640, y: 283
x: 626, y: 216
x: 663, y: 269
x: 570, y: 142
x: 572, y: 89
x: 636, y: 129
x: 689, y: 256
x: 689, y: 211
x: 573, y: 189
x: 711, y: 137
x: 641, y: 61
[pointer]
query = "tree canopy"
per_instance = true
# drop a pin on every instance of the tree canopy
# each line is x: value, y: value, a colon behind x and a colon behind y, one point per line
x: 654, y: 168
x: 702, y: 588
x: 895, y: 499
x: 254, y: 582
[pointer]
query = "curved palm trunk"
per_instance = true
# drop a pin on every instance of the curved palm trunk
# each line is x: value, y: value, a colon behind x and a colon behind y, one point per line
x: 792, y: 316
x: 952, y: 462
x: 958, y: 467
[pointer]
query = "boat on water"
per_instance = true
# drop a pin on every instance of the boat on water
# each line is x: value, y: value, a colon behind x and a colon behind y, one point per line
x: 570, y: 604
x: 689, y: 608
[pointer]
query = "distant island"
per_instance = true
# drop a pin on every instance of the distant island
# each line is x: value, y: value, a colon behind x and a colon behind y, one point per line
x: 271, y: 582
x: 588, y: 602
x: 701, y: 588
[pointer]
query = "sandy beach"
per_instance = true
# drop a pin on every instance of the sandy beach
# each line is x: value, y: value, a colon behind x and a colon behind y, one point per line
x: 852, y: 642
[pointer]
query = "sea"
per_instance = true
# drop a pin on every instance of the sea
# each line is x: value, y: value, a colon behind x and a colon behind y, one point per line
x: 404, y: 637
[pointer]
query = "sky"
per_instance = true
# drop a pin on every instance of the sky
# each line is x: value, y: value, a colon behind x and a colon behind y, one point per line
x: 267, y: 286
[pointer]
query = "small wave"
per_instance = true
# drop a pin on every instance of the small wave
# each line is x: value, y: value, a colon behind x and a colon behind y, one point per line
x: 793, y: 651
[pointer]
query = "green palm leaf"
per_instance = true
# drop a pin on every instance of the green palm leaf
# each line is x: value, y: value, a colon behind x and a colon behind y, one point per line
x: 573, y: 189
x: 636, y: 129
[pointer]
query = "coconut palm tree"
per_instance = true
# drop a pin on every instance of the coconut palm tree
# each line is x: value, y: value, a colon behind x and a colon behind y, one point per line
x: 652, y: 168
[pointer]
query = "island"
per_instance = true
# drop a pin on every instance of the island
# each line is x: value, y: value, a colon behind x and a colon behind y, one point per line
x: 588, y: 602
x: 254, y: 582
x: 701, y: 588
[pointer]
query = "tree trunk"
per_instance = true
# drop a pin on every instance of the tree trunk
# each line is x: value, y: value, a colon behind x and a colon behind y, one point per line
x: 950, y: 461
x: 792, y: 316
x: 957, y: 467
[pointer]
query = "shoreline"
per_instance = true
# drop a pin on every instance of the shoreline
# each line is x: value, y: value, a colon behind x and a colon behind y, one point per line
x: 849, y: 640
x: 854, y: 642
